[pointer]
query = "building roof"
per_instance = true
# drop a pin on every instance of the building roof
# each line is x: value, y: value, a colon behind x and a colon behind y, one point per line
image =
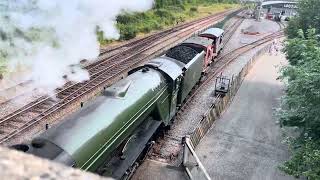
x: 277, y: 2
x: 216, y: 32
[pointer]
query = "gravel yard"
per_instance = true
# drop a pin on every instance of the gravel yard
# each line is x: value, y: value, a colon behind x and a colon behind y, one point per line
x: 239, y: 39
x: 24, y: 96
x: 15, y: 92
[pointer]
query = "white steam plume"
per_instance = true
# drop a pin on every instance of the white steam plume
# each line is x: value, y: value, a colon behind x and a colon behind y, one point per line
x: 51, y: 35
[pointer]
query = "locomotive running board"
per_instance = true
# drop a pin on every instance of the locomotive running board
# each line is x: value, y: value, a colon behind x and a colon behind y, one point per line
x: 122, y: 168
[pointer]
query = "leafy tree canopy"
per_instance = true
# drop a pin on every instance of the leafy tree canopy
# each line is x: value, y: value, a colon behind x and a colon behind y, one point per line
x: 308, y: 17
x: 301, y: 105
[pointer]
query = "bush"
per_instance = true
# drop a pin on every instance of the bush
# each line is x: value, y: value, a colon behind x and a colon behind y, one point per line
x: 194, y: 9
x: 305, y: 161
x: 300, y: 106
x: 126, y: 18
x: 182, y: 7
x: 164, y: 14
x: 127, y: 32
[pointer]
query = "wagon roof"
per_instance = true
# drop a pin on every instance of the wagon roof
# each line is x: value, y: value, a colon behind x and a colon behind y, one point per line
x: 216, y: 32
x: 198, y: 40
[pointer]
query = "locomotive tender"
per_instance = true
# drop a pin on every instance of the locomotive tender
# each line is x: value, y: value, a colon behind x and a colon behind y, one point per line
x: 147, y: 98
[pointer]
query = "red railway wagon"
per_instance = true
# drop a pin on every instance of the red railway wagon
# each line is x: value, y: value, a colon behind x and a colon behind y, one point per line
x: 202, y: 44
x: 216, y: 34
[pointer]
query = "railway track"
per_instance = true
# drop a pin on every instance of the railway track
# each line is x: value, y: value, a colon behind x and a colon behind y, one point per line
x: 167, y: 149
x: 6, y: 101
x: 102, y: 72
x: 3, y: 92
x: 106, y: 54
x: 228, y: 34
x: 226, y: 59
x: 133, y: 43
x: 231, y: 30
x: 281, y: 24
x: 112, y: 53
x: 152, y: 36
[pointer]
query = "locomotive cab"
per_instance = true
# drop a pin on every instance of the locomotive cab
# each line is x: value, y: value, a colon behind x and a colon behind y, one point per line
x: 172, y: 70
x: 216, y: 34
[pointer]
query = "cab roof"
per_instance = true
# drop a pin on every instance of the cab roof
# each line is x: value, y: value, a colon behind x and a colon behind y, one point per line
x: 198, y: 40
x: 171, y: 67
x: 213, y: 32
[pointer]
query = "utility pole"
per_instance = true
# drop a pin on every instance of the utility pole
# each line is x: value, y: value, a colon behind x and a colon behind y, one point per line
x: 258, y: 11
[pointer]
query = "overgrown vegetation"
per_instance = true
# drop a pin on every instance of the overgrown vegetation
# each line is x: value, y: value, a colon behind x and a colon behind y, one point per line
x: 301, y: 105
x: 165, y: 13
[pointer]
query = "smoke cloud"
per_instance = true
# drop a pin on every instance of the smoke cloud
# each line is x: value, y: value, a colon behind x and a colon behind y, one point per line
x: 49, y: 36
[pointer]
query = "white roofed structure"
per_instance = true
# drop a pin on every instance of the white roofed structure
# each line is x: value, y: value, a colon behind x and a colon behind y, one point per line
x: 266, y: 3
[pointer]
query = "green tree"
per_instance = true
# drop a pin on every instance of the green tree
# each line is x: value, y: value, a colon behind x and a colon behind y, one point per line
x: 308, y: 17
x: 301, y: 105
x: 305, y: 161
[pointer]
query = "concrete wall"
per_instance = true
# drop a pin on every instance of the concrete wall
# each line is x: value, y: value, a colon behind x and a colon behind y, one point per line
x: 16, y: 165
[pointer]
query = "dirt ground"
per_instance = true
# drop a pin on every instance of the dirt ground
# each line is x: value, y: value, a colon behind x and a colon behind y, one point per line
x: 246, y: 143
x: 155, y: 170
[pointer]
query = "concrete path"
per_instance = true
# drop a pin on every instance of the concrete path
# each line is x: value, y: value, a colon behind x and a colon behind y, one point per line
x: 246, y: 142
x: 155, y: 170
